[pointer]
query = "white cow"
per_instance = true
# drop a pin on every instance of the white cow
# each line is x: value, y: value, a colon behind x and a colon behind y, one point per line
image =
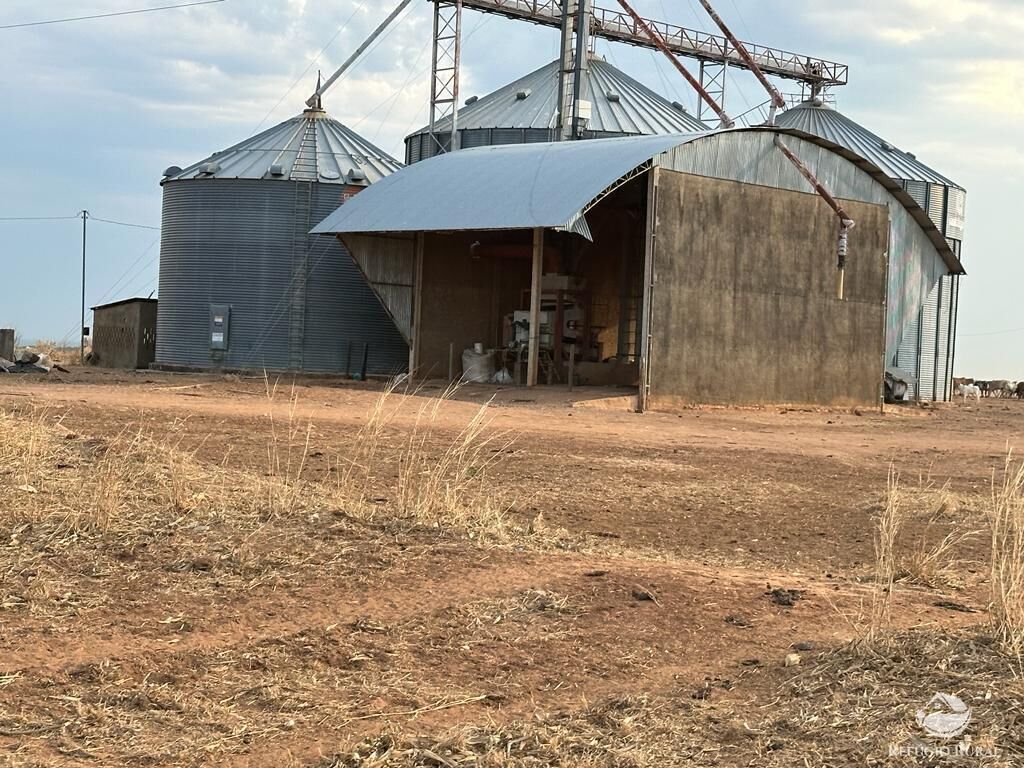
x: 969, y: 390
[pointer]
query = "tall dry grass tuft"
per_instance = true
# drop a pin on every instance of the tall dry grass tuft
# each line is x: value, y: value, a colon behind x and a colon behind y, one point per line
x: 127, y: 485
x: 110, y: 485
x: 1006, y: 516
x: 355, y: 469
x: 934, y: 559
x: 447, y: 485
x: 887, y: 531
x: 434, y: 476
x: 288, y: 445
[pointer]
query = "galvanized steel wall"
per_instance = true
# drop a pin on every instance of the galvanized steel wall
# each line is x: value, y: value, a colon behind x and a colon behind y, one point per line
x: 914, y: 264
x: 237, y: 242
x: 936, y: 325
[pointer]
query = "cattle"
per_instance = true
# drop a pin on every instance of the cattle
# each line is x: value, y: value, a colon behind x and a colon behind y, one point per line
x: 1020, y: 390
x: 969, y: 390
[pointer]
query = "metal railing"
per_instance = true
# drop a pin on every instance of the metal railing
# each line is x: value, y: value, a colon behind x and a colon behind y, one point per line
x: 619, y: 26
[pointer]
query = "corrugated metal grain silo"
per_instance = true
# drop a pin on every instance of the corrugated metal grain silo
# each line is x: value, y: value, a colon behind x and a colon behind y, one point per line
x: 928, y: 345
x: 242, y: 282
x: 526, y: 111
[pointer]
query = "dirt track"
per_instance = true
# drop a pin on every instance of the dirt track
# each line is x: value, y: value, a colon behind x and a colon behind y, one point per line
x: 702, y: 511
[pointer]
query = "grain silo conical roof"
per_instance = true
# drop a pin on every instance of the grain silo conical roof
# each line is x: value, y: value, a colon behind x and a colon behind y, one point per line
x: 819, y: 119
x: 526, y: 110
x: 312, y: 146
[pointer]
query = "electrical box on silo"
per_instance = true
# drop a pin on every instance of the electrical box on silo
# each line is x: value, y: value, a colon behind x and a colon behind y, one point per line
x: 220, y: 321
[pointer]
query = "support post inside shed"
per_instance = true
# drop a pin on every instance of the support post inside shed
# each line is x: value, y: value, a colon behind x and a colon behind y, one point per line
x: 533, y: 360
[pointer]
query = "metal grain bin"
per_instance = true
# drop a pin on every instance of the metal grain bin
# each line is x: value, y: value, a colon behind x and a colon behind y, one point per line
x: 928, y: 348
x: 526, y: 111
x: 242, y: 283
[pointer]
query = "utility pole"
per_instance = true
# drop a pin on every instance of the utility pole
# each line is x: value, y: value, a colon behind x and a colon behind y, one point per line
x: 85, y: 217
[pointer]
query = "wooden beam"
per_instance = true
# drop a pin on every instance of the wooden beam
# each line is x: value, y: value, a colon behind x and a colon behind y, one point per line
x: 533, y: 359
x: 417, y: 307
x: 650, y: 246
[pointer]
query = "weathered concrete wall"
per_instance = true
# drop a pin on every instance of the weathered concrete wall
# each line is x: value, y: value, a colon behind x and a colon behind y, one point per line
x: 744, y: 306
x: 124, y: 335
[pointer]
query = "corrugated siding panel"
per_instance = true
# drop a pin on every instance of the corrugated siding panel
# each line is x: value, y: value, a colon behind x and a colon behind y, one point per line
x: 413, y: 149
x: 538, y: 135
x: 342, y: 310
x: 507, y: 136
x: 388, y: 265
x: 919, y: 191
x: 956, y: 210
x: 475, y: 138
x: 944, y: 319
x: 231, y: 242
x: 937, y: 206
x: 930, y: 382
x: 908, y: 356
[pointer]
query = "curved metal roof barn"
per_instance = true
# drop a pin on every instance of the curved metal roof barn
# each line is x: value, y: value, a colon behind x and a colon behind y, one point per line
x: 243, y: 284
x: 928, y: 343
x: 525, y: 111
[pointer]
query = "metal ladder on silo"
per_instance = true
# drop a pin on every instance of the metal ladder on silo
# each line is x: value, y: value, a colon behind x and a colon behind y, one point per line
x: 300, y: 274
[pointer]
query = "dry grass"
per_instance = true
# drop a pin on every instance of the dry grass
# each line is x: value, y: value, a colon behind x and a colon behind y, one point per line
x: 945, y: 529
x: 58, y: 352
x: 849, y: 708
x: 887, y: 531
x: 438, y: 479
x: 1007, y: 520
x: 288, y: 448
x: 124, y: 485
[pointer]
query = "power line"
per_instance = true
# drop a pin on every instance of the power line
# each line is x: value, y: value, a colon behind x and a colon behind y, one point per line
x: 991, y: 333
x: 309, y: 66
x: 123, y: 223
x: 79, y: 216
x: 38, y: 218
x: 109, y: 15
x: 125, y: 278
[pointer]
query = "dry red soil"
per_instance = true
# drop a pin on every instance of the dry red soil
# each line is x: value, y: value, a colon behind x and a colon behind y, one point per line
x: 662, y: 537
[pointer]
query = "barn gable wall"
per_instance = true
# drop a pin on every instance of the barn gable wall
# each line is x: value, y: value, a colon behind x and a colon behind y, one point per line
x: 915, y: 264
x: 743, y: 304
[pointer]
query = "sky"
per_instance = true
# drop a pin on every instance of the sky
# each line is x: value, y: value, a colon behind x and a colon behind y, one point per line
x: 93, y: 111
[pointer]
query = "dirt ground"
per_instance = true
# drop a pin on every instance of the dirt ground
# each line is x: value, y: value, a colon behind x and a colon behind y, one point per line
x: 638, y: 566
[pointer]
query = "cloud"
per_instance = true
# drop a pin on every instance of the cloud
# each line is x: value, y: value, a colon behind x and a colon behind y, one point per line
x: 96, y: 110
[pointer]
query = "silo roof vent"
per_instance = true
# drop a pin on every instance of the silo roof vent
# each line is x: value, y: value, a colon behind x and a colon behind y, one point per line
x: 209, y: 169
x: 174, y: 170
x: 887, y: 146
x: 472, y: 100
x: 276, y: 170
x: 614, y: 98
x: 523, y: 94
x: 356, y: 176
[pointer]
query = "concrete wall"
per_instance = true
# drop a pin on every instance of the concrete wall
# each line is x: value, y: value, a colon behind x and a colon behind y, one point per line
x: 124, y: 335
x: 744, y: 306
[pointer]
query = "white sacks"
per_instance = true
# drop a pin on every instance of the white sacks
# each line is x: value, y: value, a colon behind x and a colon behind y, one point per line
x: 477, y: 368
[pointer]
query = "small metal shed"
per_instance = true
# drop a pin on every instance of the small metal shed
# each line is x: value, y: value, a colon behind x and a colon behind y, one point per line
x: 124, y: 334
